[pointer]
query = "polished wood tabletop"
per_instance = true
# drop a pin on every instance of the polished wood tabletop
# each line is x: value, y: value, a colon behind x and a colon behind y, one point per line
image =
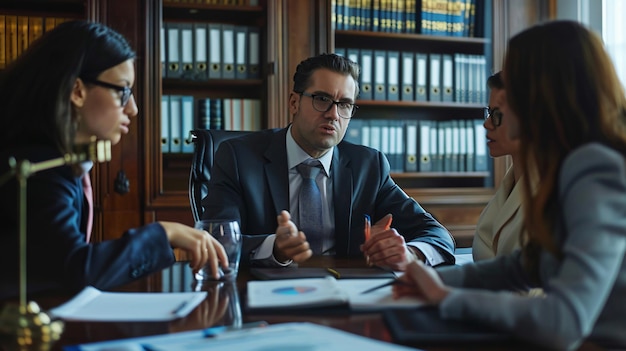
x: 225, y: 305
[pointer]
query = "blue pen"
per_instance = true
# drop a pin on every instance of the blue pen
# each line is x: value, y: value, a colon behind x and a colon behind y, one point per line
x: 215, y: 331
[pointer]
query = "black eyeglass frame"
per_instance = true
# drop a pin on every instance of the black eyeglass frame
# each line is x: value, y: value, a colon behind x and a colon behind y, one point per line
x: 126, y: 91
x: 332, y: 102
x: 495, y: 115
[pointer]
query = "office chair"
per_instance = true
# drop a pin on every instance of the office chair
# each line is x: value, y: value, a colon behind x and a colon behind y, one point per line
x: 205, y: 146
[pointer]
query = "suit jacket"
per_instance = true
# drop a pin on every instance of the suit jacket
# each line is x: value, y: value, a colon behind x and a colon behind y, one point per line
x: 501, y: 223
x: 584, y: 289
x: 250, y: 183
x: 58, y: 256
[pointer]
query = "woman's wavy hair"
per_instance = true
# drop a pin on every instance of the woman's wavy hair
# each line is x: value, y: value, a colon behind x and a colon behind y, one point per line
x: 562, y: 84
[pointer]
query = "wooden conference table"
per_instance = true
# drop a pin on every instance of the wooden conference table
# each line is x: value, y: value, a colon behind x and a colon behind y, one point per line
x: 225, y: 305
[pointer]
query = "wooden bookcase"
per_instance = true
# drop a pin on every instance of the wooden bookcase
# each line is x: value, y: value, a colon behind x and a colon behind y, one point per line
x: 291, y: 30
x: 167, y: 182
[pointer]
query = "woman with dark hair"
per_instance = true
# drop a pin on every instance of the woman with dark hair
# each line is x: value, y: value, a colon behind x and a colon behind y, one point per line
x: 499, y: 227
x: 72, y: 84
x: 569, y: 111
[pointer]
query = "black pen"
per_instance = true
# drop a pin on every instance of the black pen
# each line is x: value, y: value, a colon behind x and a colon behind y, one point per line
x: 393, y: 282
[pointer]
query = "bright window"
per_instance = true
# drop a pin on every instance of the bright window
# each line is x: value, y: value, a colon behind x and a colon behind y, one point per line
x: 614, y: 34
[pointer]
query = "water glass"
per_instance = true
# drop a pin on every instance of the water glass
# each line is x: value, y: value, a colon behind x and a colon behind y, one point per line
x: 228, y: 234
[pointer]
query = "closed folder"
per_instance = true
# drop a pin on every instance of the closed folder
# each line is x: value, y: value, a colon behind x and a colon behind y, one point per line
x: 424, y: 326
x: 447, y: 78
x: 366, y: 62
x: 165, y: 124
x: 434, y: 77
x: 421, y: 76
x: 200, y: 52
x: 254, y: 58
x: 176, y: 145
x: 186, y: 50
x: 354, y: 132
x: 215, y: 51
x: 438, y: 153
x: 380, y: 75
x: 407, y: 77
x: 480, y: 148
x: 241, y: 52
x: 425, y: 152
x: 410, y: 160
x: 187, y: 124
x: 228, y: 51
x: 471, y: 142
x: 393, y: 75
x: 162, y: 52
x: 174, y: 69
x: 353, y: 54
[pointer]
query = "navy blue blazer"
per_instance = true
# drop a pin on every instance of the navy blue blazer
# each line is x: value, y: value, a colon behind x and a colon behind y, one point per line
x: 58, y: 256
x: 250, y: 183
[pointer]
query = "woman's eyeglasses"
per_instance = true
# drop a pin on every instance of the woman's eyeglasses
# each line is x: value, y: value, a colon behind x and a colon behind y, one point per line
x: 125, y: 92
x: 495, y: 115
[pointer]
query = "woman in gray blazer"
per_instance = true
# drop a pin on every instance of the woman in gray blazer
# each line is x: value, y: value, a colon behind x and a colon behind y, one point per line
x: 570, y: 110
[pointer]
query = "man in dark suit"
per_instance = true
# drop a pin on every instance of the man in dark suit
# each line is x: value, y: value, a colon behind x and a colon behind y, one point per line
x: 255, y: 180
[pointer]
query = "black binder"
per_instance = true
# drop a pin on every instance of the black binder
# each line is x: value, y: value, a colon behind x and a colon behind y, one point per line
x: 422, y: 326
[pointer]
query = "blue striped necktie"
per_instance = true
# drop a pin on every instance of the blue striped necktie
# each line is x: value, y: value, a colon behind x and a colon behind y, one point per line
x: 310, y: 206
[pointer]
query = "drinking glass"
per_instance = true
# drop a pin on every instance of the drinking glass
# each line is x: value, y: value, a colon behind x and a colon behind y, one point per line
x: 228, y: 234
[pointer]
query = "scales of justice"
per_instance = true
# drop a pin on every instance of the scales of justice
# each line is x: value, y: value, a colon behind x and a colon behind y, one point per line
x: 25, y: 326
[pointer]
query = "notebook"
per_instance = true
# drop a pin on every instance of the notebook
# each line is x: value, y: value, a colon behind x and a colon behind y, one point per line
x: 294, y: 295
x: 423, y: 326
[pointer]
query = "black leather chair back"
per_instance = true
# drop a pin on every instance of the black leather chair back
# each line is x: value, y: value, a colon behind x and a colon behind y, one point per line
x: 205, y: 146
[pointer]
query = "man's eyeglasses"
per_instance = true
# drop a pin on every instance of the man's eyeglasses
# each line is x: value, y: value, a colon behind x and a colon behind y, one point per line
x: 495, y: 115
x: 126, y: 92
x: 323, y: 103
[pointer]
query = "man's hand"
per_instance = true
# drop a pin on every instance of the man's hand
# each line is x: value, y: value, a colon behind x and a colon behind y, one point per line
x: 290, y: 244
x: 387, y: 248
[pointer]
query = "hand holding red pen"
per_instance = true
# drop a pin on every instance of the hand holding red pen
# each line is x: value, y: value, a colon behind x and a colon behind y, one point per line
x: 385, y: 247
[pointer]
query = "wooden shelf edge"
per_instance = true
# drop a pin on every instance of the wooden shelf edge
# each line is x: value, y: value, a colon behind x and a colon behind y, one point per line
x: 408, y: 175
x: 411, y: 36
x: 451, y: 196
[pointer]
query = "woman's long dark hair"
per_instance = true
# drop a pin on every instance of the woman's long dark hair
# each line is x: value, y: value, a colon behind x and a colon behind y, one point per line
x: 561, y: 83
x: 35, y: 89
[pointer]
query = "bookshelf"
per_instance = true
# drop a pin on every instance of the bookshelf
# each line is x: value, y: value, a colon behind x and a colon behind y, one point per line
x: 22, y: 22
x: 237, y: 89
x: 393, y: 40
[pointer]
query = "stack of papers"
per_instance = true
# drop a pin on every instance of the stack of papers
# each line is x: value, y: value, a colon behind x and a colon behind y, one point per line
x: 325, y: 292
x: 92, y: 304
x: 287, y: 336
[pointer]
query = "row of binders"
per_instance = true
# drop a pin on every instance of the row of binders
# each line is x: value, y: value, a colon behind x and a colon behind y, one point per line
x: 18, y: 32
x: 180, y: 114
x: 202, y: 51
x: 425, y: 146
x: 459, y: 18
x: 419, y: 76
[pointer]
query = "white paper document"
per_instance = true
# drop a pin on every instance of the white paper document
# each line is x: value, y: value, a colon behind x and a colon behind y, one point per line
x: 319, y: 292
x: 286, y: 336
x: 92, y: 304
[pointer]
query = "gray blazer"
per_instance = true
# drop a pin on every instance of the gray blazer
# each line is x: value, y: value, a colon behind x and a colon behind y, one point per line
x: 585, y: 290
x: 250, y: 183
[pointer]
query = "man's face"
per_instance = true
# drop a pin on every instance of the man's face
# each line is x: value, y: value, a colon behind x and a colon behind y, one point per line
x: 317, y: 132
